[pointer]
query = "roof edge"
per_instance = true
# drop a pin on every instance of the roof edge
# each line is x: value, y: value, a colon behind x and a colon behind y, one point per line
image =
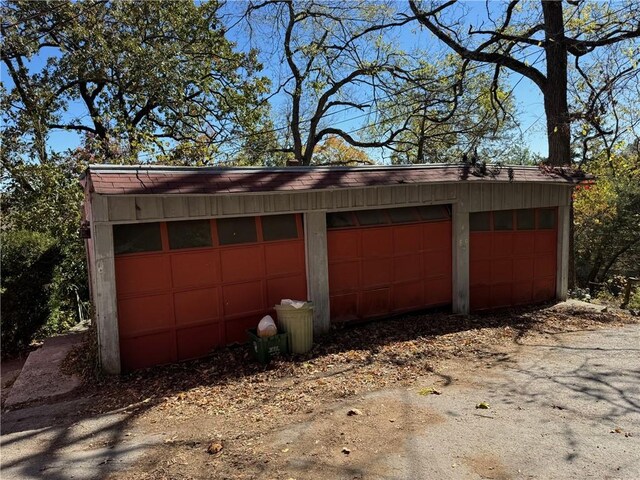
x: 111, y: 168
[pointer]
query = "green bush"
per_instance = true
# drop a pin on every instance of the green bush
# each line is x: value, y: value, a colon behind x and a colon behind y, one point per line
x: 29, y: 261
x: 41, y: 210
x: 634, y: 299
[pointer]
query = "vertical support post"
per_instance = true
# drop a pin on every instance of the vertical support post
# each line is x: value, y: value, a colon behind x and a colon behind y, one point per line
x: 460, y: 252
x: 315, y: 239
x: 562, y: 252
x: 105, y: 300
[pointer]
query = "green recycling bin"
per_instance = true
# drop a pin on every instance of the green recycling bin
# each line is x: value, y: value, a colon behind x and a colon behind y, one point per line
x: 298, y: 324
x: 263, y: 349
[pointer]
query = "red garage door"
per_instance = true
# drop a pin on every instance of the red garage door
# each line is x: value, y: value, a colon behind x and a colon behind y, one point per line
x: 512, y: 259
x: 186, y: 287
x: 388, y: 261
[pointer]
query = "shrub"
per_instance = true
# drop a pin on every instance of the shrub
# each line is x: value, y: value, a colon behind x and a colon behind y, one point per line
x: 607, y: 216
x: 634, y: 299
x: 29, y: 260
x: 45, y: 199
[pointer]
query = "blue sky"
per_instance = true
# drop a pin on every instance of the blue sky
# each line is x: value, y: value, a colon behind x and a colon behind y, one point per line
x: 526, y: 95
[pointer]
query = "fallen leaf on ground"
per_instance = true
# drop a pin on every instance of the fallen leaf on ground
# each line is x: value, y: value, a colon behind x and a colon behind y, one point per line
x: 483, y: 405
x: 214, y: 447
x: 428, y: 391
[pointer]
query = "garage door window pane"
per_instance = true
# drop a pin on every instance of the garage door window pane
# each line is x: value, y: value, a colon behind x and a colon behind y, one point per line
x: 503, y: 220
x: 403, y: 215
x: 526, y: 219
x: 279, y: 227
x: 433, y: 212
x: 136, y: 238
x: 546, y: 219
x: 237, y: 230
x: 372, y: 217
x: 340, y: 220
x: 479, y: 222
x: 191, y: 234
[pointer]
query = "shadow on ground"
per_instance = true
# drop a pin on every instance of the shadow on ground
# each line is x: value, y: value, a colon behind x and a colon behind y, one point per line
x: 356, y: 344
x: 89, y: 434
x: 56, y: 442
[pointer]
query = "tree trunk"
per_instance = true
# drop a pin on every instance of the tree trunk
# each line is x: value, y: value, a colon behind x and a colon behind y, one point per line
x: 310, y: 146
x: 555, y: 94
x: 295, y: 123
x: 615, y: 257
x: 421, y: 137
x: 595, y: 269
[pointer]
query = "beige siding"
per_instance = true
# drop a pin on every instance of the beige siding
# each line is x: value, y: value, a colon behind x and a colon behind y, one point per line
x: 122, y: 208
x: 175, y: 207
x: 495, y: 196
x: 198, y: 207
x: 481, y: 195
x: 385, y: 196
x: 149, y: 208
x: 100, y: 209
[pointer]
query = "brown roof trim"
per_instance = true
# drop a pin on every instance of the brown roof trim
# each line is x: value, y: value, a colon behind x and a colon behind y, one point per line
x: 165, y: 180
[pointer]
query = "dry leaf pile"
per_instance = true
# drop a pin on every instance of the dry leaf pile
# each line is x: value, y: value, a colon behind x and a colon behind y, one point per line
x: 350, y: 360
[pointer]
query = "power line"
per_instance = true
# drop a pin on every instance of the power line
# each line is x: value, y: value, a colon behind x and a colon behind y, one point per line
x: 357, y: 117
x: 373, y: 111
x: 395, y: 94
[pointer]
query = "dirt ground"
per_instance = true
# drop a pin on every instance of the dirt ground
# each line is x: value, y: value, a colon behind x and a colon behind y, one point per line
x: 552, y: 395
x: 10, y: 371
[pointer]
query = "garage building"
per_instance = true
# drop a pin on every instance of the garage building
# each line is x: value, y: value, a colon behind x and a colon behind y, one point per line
x: 185, y: 259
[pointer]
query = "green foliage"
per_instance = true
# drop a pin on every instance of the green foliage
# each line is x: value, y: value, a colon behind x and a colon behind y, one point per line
x: 634, y: 300
x: 43, y: 201
x: 29, y: 261
x: 581, y: 56
x: 336, y: 58
x: 258, y: 147
x: 607, y: 219
x: 149, y: 76
x: 446, y: 121
x: 612, y: 293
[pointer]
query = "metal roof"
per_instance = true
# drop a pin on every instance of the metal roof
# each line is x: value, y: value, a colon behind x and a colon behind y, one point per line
x: 167, y: 180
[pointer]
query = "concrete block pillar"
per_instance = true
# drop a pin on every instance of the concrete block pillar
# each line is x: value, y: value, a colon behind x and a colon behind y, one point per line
x: 562, y: 266
x: 315, y: 237
x: 105, y: 300
x: 460, y: 253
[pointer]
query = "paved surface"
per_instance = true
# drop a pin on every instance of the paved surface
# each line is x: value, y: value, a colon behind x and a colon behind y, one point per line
x: 51, y: 442
x: 41, y: 377
x: 569, y: 409
x: 553, y: 414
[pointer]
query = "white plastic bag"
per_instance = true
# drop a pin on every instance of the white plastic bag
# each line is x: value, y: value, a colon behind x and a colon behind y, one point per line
x: 267, y: 327
x: 293, y: 303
